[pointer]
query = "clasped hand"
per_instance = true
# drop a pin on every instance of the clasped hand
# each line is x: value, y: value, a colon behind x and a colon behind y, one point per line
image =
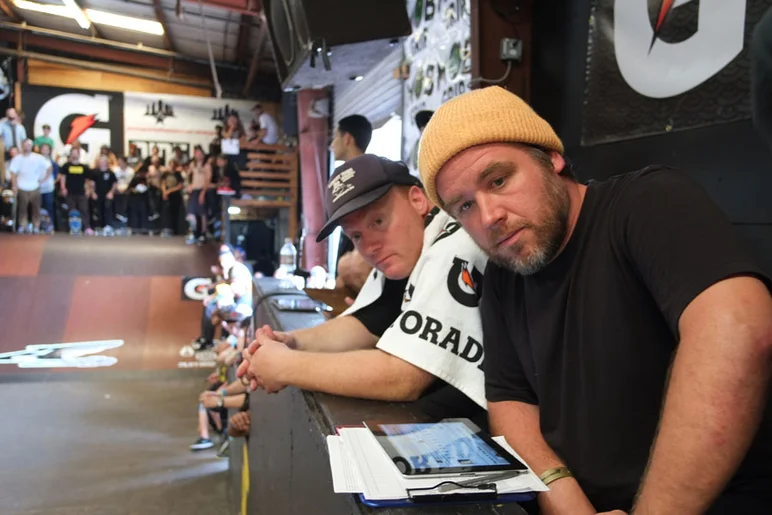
x: 264, y: 359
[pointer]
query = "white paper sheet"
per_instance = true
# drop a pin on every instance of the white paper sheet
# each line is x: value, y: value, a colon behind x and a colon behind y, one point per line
x: 346, y: 477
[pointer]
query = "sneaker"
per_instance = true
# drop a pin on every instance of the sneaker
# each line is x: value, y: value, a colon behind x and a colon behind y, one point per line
x: 226, y: 190
x: 201, y: 444
x: 190, y: 240
x: 202, y: 239
x: 154, y: 216
x: 21, y: 230
x: 89, y: 232
x: 222, y: 451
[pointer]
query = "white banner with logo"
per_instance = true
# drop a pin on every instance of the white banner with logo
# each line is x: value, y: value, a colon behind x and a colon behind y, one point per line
x: 165, y: 120
x: 439, y: 55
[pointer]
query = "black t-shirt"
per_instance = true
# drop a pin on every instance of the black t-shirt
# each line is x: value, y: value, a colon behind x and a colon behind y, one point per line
x: 440, y: 400
x: 103, y: 181
x: 139, y: 179
x: 75, y: 176
x: 589, y: 339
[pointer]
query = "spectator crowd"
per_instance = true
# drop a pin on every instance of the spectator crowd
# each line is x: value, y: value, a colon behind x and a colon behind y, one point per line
x: 48, y: 189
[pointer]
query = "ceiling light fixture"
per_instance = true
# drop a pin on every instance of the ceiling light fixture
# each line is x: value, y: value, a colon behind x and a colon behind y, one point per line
x: 77, y: 14
x: 125, y: 22
x: 93, y: 16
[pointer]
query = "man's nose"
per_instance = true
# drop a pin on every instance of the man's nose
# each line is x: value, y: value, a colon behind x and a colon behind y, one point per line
x: 491, y: 212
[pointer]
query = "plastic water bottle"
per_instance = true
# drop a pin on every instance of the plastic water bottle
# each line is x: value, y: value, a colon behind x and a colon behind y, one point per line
x: 287, y: 256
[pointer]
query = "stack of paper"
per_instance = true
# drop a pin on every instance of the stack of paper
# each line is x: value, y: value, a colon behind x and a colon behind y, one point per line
x: 359, y: 465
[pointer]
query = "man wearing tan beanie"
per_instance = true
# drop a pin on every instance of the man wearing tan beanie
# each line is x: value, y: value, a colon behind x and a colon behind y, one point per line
x: 589, y: 293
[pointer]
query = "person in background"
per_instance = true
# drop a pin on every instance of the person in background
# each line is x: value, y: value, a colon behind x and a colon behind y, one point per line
x: 72, y: 182
x: 154, y: 171
x: 264, y: 127
x: 228, y: 178
x: 138, y: 201
x: 350, y: 139
x: 134, y: 159
x: 103, y: 193
x: 12, y: 152
x: 48, y: 187
x: 172, y: 183
x: 199, y: 179
x: 123, y: 176
x: 83, y: 155
x: 234, y: 138
x: 155, y: 158
x: 45, y: 139
x: 214, y: 146
x: 628, y: 331
x: 28, y: 172
x: 104, y: 151
x: 182, y: 158
x: 12, y: 130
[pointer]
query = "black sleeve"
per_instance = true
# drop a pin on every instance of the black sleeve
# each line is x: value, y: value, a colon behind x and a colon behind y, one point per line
x: 680, y: 242
x: 378, y: 316
x: 505, y: 379
x: 761, y: 75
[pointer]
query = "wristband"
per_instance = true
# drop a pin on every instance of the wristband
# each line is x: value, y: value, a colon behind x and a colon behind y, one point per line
x: 552, y: 475
x: 223, y: 393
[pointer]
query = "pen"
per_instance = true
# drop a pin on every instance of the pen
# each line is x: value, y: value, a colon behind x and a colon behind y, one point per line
x: 481, y: 480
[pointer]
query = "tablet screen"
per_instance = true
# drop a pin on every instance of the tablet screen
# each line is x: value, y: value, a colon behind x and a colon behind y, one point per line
x: 447, y: 447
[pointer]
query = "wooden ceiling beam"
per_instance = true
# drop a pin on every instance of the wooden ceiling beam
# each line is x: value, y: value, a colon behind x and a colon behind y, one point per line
x: 160, y: 16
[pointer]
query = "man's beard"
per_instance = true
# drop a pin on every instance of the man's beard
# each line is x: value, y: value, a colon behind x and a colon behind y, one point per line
x: 549, y: 233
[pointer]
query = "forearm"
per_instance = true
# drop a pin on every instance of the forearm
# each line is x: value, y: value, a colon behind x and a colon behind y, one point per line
x: 336, y: 335
x: 519, y: 423
x: 233, y: 401
x: 367, y: 374
x: 712, y: 410
x: 234, y: 388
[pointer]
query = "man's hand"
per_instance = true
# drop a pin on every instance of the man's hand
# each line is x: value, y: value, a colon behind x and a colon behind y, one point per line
x: 239, y: 424
x: 64, y: 192
x: 94, y: 196
x: 267, y: 364
x: 262, y: 335
x: 110, y: 195
x: 201, y: 197
x: 353, y: 271
x: 209, y: 399
x: 213, y: 378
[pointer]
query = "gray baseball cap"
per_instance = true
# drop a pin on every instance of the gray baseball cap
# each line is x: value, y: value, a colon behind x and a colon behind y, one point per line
x: 360, y: 182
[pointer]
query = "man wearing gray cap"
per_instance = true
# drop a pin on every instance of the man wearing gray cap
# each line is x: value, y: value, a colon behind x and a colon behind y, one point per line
x: 416, y: 318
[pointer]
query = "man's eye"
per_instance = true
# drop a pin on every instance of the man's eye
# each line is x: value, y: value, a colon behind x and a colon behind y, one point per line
x: 465, y: 206
x: 355, y: 237
x: 497, y: 183
x: 378, y: 221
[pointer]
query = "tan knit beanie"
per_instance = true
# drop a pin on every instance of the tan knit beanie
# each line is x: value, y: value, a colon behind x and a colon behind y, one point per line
x: 488, y: 115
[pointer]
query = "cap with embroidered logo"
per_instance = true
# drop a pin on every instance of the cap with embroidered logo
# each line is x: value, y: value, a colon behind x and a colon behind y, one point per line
x: 360, y: 182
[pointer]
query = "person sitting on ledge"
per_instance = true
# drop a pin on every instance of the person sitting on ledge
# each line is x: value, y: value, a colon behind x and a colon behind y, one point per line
x: 628, y: 333
x: 414, y: 331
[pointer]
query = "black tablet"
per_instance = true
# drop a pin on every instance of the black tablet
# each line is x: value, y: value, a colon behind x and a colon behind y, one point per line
x: 452, y: 446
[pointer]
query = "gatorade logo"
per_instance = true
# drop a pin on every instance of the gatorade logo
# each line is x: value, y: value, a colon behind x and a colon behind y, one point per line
x: 464, y: 283
x: 659, y: 69
x: 77, y: 116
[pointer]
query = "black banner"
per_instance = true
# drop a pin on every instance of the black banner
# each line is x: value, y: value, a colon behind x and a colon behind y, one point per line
x: 660, y: 65
x: 93, y: 117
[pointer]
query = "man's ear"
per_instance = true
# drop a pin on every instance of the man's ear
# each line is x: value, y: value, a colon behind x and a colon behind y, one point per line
x: 558, y: 163
x: 348, y: 139
x: 419, y: 200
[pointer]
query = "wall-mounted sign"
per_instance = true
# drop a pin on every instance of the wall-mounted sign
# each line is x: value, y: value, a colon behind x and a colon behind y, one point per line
x: 657, y: 66
x: 93, y: 117
x: 195, y: 288
x: 63, y: 355
x: 179, y: 119
x: 439, y: 55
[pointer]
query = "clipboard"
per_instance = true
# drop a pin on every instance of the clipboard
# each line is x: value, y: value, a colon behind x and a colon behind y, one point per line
x: 472, y: 497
